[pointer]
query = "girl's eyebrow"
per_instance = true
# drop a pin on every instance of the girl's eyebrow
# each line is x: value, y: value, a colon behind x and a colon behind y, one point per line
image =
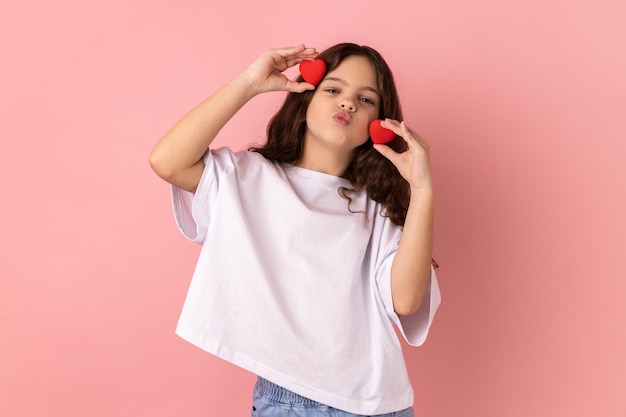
x: 342, y: 81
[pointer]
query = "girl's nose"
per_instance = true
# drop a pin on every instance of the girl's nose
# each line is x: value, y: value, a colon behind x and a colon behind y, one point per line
x: 347, y: 105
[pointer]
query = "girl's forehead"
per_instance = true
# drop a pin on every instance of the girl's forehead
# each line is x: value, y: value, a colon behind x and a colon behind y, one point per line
x: 355, y: 63
x: 355, y: 69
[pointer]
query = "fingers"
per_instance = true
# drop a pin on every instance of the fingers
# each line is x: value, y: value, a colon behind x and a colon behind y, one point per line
x: 302, y: 54
x: 295, y: 50
x: 413, y: 164
x: 293, y: 55
x: 298, y: 87
x: 266, y: 72
x: 411, y: 137
x: 387, y: 152
x: 290, y: 56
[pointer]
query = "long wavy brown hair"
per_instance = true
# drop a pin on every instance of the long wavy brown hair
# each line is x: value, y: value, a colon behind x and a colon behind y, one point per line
x: 369, y: 170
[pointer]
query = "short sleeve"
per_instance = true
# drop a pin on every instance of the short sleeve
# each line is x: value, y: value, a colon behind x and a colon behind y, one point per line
x: 414, y: 328
x: 192, y: 210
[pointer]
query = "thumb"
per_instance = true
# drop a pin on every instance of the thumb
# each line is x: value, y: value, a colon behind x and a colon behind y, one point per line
x: 386, y: 151
x: 299, y: 87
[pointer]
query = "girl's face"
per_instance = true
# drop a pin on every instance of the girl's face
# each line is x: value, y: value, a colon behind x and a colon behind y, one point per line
x: 343, y: 105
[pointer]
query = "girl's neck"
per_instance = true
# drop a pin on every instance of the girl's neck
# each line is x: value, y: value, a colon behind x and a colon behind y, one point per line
x: 324, y: 160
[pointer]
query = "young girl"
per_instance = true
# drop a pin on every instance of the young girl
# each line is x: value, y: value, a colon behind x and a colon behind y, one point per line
x: 313, y: 245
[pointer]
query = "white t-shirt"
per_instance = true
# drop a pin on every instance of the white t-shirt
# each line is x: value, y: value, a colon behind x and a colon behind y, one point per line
x: 293, y: 286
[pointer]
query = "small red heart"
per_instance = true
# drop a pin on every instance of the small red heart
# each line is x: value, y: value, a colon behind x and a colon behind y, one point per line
x: 313, y: 71
x: 380, y: 134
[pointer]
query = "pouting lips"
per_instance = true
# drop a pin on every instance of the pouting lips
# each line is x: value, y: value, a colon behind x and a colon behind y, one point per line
x: 341, y: 118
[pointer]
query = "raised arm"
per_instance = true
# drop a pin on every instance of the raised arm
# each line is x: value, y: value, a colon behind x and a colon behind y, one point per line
x: 177, y: 157
x: 411, y: 268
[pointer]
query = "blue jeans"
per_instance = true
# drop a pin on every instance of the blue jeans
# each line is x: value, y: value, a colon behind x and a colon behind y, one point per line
x: 271, y: 400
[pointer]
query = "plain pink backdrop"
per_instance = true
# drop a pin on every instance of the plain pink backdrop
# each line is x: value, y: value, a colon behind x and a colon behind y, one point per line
x: 523, y: 103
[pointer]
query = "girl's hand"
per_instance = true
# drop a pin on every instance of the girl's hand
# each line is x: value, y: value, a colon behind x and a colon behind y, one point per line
x: 414, y: 164
x: 266, y: 72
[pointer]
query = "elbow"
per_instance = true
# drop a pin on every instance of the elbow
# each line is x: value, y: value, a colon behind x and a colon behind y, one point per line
x: 408, y: 292
x: 158, y: 163
x: 409, y: 303
x: 408, y: 307
x: 166, y: 167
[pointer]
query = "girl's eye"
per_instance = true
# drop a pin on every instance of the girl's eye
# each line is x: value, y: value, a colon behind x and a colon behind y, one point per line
x: 366, y: 100
x: 332, y: 90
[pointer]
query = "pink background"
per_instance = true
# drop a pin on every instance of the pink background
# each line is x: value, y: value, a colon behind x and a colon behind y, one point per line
x: 523, y: 103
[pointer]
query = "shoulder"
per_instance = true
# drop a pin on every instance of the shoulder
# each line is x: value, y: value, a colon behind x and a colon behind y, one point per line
x: 242, y: 165
x: 243, y: 159
x: 241, y: 156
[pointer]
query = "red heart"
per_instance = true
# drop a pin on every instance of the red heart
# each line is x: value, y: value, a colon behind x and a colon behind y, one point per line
x: 313, y: 71
x: 380, y: 134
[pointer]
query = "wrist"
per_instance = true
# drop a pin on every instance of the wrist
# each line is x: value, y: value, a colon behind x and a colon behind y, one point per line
x: 422, y: 190
x: 246, y: 85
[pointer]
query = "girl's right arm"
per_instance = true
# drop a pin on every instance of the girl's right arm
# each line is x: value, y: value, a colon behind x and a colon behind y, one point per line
x: 177, y: 157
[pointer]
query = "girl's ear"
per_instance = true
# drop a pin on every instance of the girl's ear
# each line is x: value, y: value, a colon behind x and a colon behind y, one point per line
x: 313, y: 71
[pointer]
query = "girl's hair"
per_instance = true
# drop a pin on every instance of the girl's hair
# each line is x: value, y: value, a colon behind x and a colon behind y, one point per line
x: 369, y: 170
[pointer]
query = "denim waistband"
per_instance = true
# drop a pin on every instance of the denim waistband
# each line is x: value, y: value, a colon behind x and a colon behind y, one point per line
x: 277, y: 394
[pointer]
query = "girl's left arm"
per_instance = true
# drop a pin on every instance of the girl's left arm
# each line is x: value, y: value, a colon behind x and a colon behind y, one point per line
x: 411, y: 268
